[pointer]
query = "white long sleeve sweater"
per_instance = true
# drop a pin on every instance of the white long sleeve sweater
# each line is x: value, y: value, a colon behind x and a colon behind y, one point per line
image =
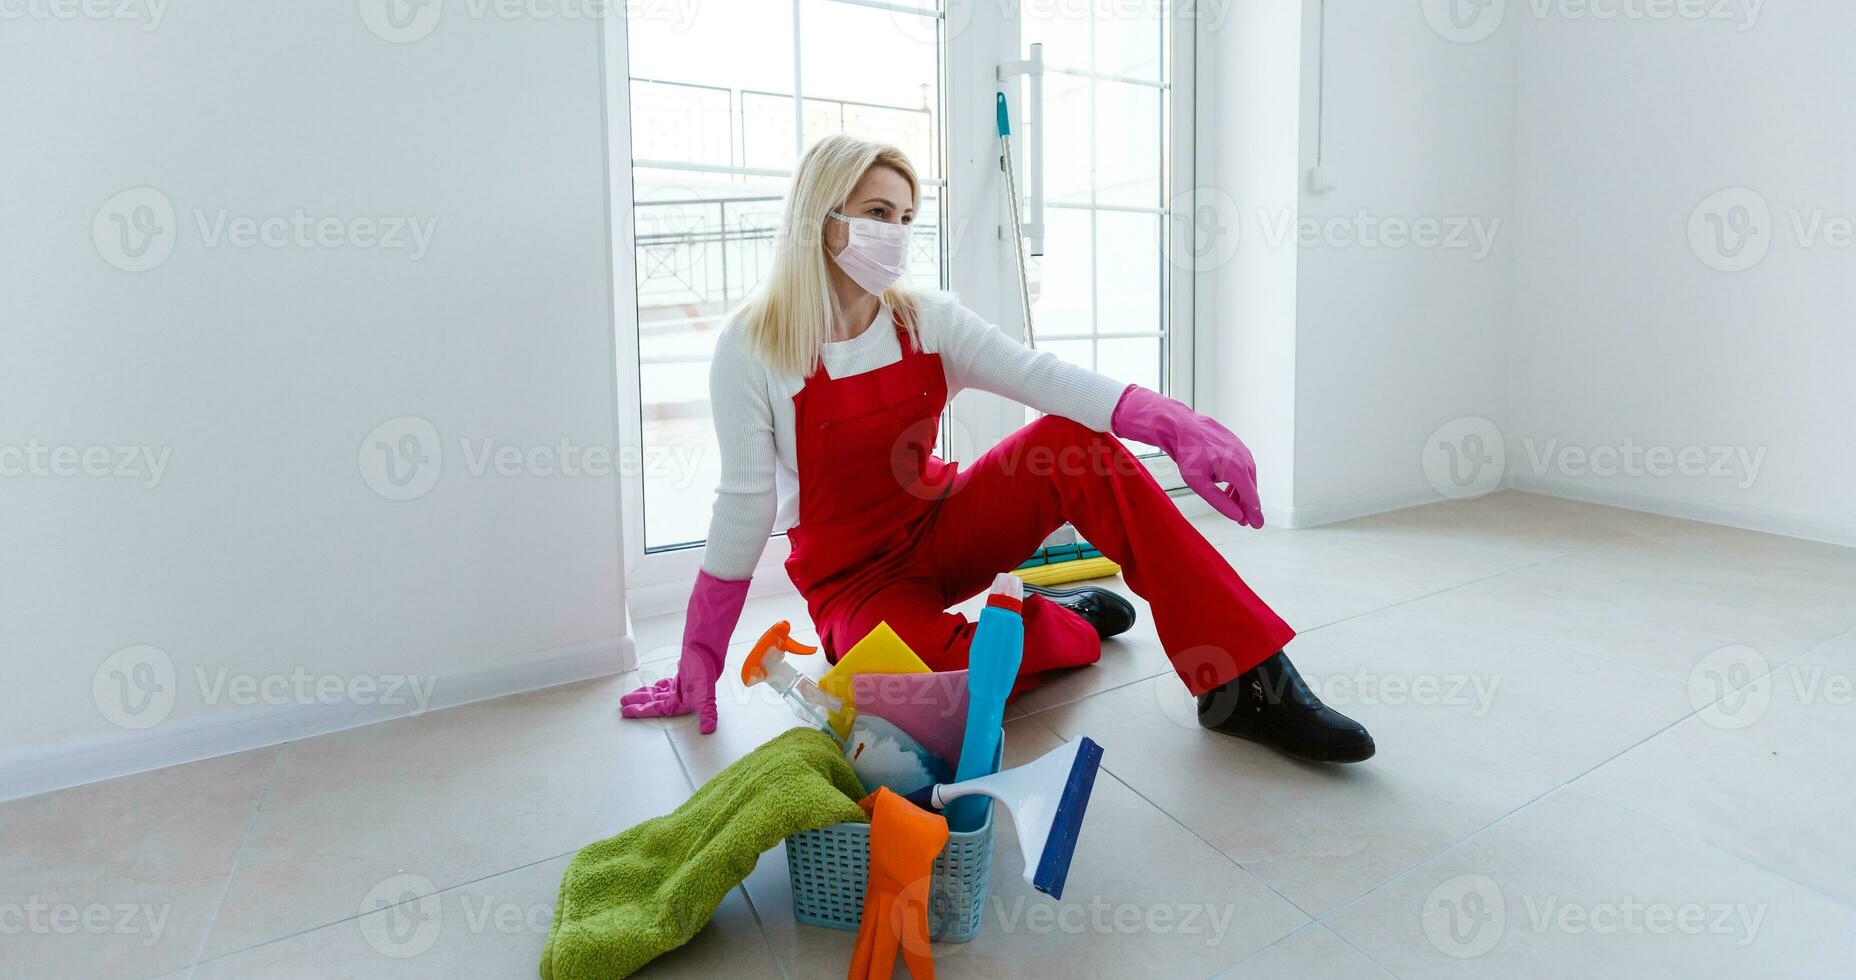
x: 754, y: 423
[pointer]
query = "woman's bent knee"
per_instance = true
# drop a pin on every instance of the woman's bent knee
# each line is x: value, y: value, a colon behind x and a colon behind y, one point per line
x: 1058, y: 447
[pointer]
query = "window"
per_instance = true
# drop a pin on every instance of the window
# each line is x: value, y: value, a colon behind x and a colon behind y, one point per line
x: 712, y: 106
x: 1101, y: 285
x: 715, y: 106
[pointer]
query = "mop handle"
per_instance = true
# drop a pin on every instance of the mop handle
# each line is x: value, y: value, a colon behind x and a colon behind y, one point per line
x: 1018, y: 234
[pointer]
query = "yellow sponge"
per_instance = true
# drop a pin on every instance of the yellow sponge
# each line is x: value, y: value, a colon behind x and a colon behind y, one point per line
x: 882, y: 652
x: 1058, y: 573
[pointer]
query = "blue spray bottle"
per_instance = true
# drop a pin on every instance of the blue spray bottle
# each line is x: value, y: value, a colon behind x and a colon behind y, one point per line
x: 992, y: 668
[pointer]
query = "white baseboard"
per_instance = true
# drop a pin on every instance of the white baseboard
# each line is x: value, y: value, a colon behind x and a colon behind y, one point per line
x: 1350, y: 508
x: 37, y: 770
x: 1747, y: 518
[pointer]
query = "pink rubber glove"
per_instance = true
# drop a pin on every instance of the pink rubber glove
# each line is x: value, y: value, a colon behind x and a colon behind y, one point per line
x: 1207, y: 453
x: 715, y: 607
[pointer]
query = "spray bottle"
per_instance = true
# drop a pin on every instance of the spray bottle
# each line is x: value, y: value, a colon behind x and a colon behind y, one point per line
x: 767, y: 664
x: 992, y: 669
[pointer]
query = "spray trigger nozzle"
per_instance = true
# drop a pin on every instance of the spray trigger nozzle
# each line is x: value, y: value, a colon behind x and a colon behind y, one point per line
x: 778, y: 637
x: 766, y: 664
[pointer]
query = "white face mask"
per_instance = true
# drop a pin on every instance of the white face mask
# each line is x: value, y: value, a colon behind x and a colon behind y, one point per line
x: 876, y: 254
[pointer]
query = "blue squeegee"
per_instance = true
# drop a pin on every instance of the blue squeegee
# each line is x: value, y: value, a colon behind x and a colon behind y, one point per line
x: 1047, y: 799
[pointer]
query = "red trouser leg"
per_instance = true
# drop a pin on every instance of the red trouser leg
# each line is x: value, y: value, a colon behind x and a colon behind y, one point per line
x: 986, y: 525
x: 1211, y: 624
x: 1000, y: 509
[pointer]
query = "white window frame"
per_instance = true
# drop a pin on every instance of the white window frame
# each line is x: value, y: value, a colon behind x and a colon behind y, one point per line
x: 976, y: 255
x: 993, y: 288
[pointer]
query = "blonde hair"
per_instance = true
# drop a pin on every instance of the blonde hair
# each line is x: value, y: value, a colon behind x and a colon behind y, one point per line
x: 789, y: 317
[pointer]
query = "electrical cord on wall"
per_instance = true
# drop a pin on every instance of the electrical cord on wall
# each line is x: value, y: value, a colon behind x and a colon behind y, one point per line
x: 1320, y: 179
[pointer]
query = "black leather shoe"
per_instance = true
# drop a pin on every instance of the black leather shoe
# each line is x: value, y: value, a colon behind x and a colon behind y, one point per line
x: 1109, y: 613
x: 1270, y: 703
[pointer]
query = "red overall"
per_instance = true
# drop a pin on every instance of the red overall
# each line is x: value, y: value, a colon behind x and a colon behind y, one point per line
x: 888, y: 532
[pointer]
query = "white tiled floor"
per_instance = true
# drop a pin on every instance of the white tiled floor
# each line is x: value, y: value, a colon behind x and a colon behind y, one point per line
x: 1559, y: 792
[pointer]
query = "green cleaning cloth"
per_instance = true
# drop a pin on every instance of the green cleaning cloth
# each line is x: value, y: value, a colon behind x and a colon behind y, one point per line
x: 628, y: 899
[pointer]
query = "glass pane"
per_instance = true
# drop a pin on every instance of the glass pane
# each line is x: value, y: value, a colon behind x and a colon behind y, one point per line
x: 1134, y: 362
x: 1063, y: 29
x: 1129, y: 299
x: 767, y: 130
x: 925, y: 245
x: 1067, y: 139
x: 1106, y: 137
x: 703, y: 241
x: 1061, y: 280
x: 1127, y: 41
x: 716, y: 90
x: 1105, y: 38
x: 1127, y: 141
x: 686, y: 72
x: 682, y: 122
x: 873, y: 73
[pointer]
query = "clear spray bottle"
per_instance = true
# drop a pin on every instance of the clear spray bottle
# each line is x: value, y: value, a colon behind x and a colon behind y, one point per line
x: 766, y: 664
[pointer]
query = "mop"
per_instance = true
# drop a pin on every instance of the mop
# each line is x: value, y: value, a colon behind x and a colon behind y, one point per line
x: 1065, y: 556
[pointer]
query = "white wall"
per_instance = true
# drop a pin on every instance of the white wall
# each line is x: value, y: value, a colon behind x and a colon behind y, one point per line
x: 262, y: 550
x: 1621, y: 331
x: 1250, y: 120
x: 1593, y: 324
x: 1334, y: 359
x: 1395, y: 339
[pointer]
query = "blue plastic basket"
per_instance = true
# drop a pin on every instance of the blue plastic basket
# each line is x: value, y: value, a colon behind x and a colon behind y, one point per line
x: 829, y: 867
